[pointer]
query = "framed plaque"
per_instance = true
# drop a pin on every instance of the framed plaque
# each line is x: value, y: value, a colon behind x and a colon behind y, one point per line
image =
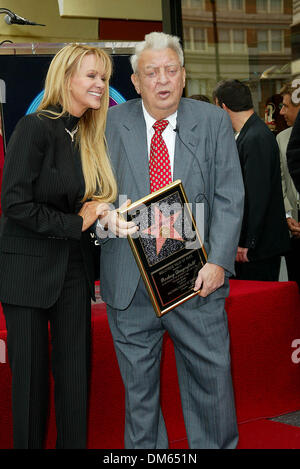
x: 167, y: 247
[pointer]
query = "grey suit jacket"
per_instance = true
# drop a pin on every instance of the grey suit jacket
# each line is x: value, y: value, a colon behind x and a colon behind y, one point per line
x: 288, y: 188
x: 206, y: 161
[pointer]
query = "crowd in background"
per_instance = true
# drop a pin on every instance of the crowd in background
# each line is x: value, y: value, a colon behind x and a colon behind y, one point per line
x: 267, y: 179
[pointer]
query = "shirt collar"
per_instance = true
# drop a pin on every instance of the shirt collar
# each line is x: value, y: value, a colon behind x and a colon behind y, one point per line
x: 150, y: 120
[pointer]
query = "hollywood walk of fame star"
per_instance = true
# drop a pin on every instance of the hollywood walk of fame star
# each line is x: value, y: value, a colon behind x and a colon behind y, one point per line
x: 163, y: 228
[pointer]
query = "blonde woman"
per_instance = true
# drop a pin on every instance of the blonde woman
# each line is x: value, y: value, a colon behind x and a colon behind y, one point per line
x: 56, y: 174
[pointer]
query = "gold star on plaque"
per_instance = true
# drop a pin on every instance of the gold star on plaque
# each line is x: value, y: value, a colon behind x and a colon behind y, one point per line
x: 163, y: 228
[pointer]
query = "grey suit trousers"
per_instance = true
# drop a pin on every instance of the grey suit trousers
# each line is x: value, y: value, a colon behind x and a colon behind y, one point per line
x: 201, y: 342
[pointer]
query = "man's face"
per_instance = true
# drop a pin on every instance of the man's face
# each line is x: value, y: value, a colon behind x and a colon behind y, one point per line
x: 288, y: 110
x: 160, y: 80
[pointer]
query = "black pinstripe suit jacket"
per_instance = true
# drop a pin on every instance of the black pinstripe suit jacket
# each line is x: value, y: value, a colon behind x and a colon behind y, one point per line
x: 41, y: 192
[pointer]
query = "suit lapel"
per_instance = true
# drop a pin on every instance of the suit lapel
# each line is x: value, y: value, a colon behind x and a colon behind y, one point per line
x: 135, y: 142
x: 185, y: 146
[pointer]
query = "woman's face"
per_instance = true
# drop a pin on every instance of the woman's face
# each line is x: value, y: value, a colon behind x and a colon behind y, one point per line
x: 87, y: 85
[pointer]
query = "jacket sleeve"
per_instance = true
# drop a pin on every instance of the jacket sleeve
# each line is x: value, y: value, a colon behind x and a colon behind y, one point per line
x: 284, y: 174
x: 259, y: 163
x: 227, y: 200
x: 22, y: 167
x: 293, y: 153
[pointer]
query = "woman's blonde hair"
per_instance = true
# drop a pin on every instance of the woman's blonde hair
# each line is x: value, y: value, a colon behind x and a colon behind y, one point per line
x: 100, y: 183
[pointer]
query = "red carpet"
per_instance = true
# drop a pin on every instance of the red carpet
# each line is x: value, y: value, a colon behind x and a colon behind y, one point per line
x: 265, y: 434
x: 2, y: 320
x: 264, y: 319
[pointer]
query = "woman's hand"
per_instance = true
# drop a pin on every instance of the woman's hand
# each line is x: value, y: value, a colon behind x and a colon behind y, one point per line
x: 111, y: 220
x: 88, y: 213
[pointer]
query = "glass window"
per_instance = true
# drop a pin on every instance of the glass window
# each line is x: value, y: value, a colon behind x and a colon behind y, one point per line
x: 276, y: 40
x: 262, y: 41
x: 262, y: 5
x: 224, y: 35
x: 222, y: 5
x: 253, y: 46
x: 237, y: 4
x: 224, y: 40
x: 238, y: 37
x: 196, y: 3
x: 199, y: 39
x: 272, y: 6
x: 187, y: 38
x: 275, y: 6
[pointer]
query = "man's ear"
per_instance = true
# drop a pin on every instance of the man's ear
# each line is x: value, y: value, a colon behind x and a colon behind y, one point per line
x: 136, y: 82
x: 184, y: 76
x: 225, y: 107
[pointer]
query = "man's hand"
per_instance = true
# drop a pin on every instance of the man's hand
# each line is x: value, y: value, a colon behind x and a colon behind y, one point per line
x: 111, y: 220
x: 88, y: 213
x: 242, y: 255
x: 210, y: 278
x: 294, y: 227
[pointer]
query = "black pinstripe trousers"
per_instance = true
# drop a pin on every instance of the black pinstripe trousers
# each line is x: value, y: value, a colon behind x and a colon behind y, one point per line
x: 28, y: 353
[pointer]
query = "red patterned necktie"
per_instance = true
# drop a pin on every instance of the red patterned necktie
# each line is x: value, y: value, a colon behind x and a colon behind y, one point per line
x: 159, y: 164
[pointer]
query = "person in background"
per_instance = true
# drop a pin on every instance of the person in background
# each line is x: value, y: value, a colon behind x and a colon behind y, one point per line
x: 289, y: 111
x: 56, y: 174
x: 200, y: 97
x: 293, y: 151
x: 192, y: 140
x: 264, y: 235
x: 273, y: 117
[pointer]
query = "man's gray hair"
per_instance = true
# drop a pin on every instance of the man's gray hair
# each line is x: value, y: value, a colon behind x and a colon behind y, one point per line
x: 157, y: 41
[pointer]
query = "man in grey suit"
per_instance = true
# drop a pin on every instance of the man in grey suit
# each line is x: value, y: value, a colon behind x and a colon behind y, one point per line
x: 289, y: 111
x: 202, y: 152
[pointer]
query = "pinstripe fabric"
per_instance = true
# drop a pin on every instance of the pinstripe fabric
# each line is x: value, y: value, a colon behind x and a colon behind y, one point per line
x: 27, y: 341
x: 138, y: 335
x: 41, y: 192
x: 204, y: 374
x: 201, y: 343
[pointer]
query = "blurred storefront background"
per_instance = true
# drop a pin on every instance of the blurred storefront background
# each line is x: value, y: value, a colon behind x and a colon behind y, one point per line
x: 249, y: 40
x: 256, y: 41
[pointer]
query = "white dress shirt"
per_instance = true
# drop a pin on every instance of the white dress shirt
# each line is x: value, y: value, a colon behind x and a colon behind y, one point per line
x: 169, y: 135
